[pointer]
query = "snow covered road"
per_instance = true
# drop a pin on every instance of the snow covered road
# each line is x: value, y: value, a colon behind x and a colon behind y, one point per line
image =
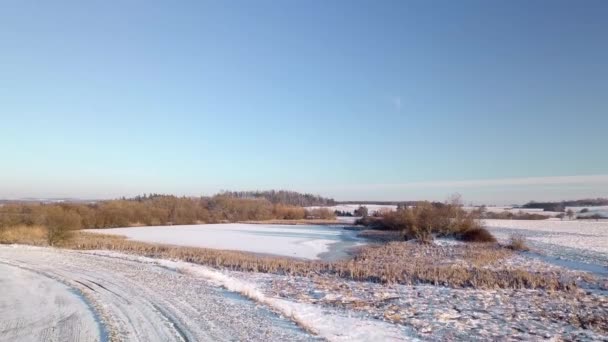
x: 67, y: 295
x: 50, y: 294
x: 34, y: 307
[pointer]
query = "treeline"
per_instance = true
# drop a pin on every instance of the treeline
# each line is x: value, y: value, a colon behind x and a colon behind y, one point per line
x: 283, y: 197
x: 507, y: 215
x: 397, y: 203
x: 561, y: 206
x: 153, y: 210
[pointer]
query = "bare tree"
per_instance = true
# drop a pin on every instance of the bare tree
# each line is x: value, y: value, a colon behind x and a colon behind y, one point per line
x: 570, y: 213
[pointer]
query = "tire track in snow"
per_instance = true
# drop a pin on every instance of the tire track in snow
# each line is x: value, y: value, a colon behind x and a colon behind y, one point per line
x: 147, y: 302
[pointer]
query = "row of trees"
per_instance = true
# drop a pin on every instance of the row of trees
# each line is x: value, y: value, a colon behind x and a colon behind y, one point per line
x: 561, y: 206
x: 284, y: 197
x: 153, y: 210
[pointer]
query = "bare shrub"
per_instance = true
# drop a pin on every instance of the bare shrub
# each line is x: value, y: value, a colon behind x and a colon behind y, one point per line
x: 60, y: 225
x: 518, y: 243
x: 425, y: 220
x: 477, y: 234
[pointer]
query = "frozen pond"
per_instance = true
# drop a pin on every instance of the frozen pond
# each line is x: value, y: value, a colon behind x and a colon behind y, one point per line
x: 300, y: 241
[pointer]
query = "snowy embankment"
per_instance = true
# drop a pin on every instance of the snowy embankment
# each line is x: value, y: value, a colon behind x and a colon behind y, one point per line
x: 302, y: 241
x: 143, y: 299
x: 577, y: 240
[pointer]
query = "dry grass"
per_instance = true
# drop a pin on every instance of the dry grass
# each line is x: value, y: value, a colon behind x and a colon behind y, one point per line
x: 518, y: 243
x: 29, y: 235
x: 469, y: 265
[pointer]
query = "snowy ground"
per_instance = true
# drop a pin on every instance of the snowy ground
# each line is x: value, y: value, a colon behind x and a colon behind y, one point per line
x: 576, y: 240
x: 437, y: 313
x: 598, y: 210
x: 142, y: 299
x: 514, y: 210
x: 124, y: 297
x: 34, y: 307
x: 301, y: 241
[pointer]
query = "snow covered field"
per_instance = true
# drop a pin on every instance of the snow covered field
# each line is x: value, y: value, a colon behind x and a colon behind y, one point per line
x: 142, y: 299
x: 577, y: 240
x: 513, y: 210
x: 301, y: 241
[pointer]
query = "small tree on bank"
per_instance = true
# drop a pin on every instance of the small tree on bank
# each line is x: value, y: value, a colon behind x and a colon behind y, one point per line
x: 570, y: 213
x: 362, y: 211
x: 60, y: 224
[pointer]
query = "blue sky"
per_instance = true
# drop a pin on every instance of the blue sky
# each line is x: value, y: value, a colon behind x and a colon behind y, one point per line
x: 351, y: 99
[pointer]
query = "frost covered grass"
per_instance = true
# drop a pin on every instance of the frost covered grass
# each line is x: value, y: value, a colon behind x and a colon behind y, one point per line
x: 29, y: 235
x: 471, y: 265
x: 476, y: 265
x: 518, y: 243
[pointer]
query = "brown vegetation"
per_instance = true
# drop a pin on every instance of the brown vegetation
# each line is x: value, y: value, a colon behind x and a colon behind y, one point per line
x: 152, y: 210
x: 518, y: 243
x: 477, y: 235
x: 507, y: 215
x: 426, y: 220
x: 29, y: 235
x: 471, y: 265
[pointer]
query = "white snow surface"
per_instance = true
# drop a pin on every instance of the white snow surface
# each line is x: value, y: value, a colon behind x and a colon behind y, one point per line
x: 578, y: 240
x: 320, y: 321
x: 144, y: 299
x: 515, y: 210
x: 591, y: 235
x: 301, y: 241
x: 34, y: 307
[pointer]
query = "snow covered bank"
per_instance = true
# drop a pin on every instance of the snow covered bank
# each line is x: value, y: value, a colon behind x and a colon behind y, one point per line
x: 302, y: 241
x: 577, y: 240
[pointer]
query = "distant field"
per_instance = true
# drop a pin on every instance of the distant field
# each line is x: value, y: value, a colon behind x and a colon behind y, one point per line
x: 578, y: 240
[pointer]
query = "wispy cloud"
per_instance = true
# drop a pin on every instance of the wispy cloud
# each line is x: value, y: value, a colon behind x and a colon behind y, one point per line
x: 488, y: 191
x: 478, y: 183
x: 396, y: 102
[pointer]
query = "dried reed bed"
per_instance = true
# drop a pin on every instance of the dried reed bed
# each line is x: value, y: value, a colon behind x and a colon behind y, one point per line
x: 471, y: 265
x: 29, y: 235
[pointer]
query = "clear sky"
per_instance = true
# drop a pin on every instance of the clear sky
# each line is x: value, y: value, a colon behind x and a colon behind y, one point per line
x: 502, y: 101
